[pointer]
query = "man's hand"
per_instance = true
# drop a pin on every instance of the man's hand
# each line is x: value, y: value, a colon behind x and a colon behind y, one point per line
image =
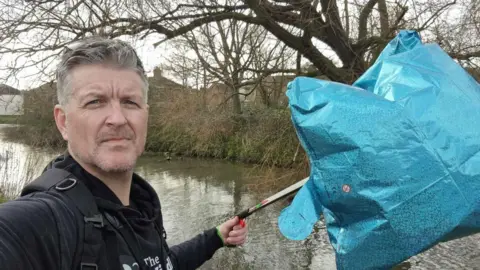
x: 233, y: 232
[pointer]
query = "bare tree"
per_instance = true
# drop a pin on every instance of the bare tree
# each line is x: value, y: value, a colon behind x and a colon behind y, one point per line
x: 273, y: 67
x: 183, y: 67
x: 32, y: 32
x: 235, y: 54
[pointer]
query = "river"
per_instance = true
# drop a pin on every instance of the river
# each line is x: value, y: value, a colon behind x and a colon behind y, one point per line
x: 199, y: 194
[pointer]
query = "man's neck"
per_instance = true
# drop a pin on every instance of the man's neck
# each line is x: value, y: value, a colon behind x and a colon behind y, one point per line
x: 119, y: 183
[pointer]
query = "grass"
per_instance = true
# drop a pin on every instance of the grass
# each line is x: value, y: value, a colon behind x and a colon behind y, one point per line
x: 9, y: 119
x: 181, y: 125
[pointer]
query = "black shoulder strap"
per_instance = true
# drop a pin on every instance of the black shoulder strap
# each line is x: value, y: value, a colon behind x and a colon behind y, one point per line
x: 65, y: 182
x: 46, y: 181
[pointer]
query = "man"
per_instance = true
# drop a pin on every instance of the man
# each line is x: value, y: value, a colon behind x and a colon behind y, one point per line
x: 89, y: 210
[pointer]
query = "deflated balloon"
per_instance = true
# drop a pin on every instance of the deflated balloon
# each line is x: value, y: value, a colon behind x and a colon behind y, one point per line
x: 395, y: 163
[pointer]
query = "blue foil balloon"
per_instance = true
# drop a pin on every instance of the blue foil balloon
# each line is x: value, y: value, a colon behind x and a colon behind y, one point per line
x: 395, y: 163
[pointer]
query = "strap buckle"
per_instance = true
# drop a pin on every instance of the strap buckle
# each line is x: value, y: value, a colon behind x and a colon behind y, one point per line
x: 96, y: 220
x: 66, y: 184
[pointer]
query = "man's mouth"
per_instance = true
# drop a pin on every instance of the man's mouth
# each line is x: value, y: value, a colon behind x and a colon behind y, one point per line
x: 114, y: 139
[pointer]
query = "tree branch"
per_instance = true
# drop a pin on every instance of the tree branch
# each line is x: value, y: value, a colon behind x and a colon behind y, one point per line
x: 384, y: 25
x: 436, y: 14
x: 205, y: 20
x: 324, y: 64
x: 330, y: 9
x: 347, y: 18
x: 362, y: 21
x: 465, y: 56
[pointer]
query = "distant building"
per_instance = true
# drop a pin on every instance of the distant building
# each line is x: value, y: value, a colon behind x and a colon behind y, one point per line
x: 160, y: 83
x: 161, y: 88
x: 11, y: 100
x: 271, y: 91
x: 216, y: 95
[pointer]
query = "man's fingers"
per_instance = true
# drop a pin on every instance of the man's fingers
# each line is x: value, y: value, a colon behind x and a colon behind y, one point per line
x: 237, y: 232
x: 241, y: 224
x: 238, y: 240
x: 237, y: 227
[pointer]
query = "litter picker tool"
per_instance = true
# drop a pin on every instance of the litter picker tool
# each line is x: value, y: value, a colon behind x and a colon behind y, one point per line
x: 274, y: 198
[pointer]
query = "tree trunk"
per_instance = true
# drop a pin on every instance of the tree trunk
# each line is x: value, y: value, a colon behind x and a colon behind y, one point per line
x: 237, y: 106
x: 264, y: 95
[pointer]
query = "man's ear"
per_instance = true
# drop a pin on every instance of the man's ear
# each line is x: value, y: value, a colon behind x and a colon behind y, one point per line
x: 61, y: 120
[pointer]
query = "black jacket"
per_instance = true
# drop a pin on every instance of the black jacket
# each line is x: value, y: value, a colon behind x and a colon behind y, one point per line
x: 41, y: 231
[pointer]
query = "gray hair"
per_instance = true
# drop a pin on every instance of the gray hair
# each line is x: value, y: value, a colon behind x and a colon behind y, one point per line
x: 97, y: 50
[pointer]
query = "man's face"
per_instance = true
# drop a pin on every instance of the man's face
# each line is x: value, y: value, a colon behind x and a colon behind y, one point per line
x: 105, y: 120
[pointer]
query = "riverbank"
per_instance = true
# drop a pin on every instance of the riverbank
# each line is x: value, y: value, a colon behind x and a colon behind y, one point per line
x: 260, y: 135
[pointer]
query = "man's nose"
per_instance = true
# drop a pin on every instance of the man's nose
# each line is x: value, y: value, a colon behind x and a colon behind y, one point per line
x: 116, y: 116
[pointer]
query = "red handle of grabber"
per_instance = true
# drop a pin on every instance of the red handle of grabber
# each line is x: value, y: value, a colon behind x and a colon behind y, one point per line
x: 242, y: 216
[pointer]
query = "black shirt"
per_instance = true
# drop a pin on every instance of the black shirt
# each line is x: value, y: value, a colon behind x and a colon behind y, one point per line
x: 40, y: 231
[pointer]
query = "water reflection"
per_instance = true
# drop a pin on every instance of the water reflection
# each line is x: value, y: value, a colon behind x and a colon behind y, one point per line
x: 19, y: 164
x: 200, y: 194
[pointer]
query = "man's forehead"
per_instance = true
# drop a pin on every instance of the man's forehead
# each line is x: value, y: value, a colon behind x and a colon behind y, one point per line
x: 103, y: 72
x: 98, y: 89
x: 90, y: 89
x: 91, y: 81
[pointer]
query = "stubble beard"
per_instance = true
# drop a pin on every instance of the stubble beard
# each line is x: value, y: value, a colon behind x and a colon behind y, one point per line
x: 109, y: 165
x: 106, y: 165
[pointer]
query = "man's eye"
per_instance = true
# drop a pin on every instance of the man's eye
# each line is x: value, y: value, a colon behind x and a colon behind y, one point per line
x: 130, y: 102
x: 92, y: 102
